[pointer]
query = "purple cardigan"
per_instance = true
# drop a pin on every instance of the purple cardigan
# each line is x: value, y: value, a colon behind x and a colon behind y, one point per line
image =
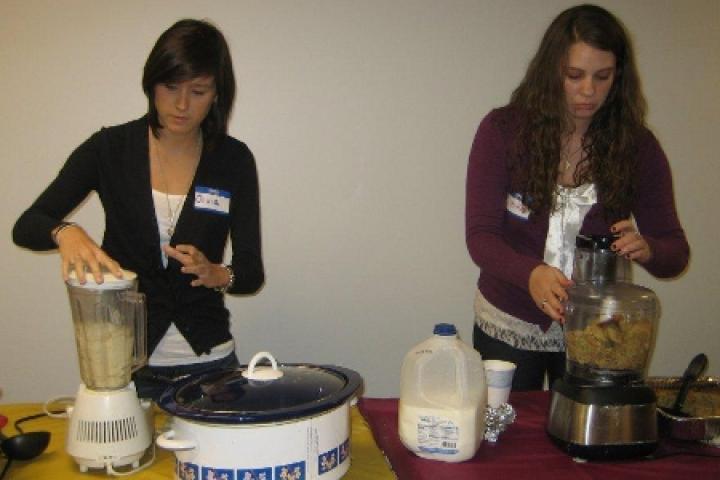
x: 507, y: 247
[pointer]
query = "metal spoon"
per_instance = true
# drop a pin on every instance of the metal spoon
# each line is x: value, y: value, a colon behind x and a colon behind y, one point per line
x: 696, y: 368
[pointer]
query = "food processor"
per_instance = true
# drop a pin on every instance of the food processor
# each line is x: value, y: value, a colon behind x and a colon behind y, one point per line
x: 601, y: 408
x: 109, y: 425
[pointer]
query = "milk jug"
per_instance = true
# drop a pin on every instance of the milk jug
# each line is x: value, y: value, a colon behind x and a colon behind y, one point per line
x: 443, y: 398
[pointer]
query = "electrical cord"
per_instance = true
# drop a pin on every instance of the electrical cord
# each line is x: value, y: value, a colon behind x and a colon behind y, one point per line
x: 32, y: 417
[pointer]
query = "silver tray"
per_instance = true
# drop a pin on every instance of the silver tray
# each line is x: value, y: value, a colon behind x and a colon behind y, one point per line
x: 705, y: 429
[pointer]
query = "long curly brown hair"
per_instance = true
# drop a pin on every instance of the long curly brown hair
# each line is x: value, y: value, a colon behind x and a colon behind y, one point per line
x: 609, y: 144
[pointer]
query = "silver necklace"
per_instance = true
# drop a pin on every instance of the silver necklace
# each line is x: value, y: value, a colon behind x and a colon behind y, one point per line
x: 173, y: 213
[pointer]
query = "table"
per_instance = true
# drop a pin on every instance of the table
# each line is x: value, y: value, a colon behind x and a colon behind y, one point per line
x: 367, y: 462
x: 524, y: 451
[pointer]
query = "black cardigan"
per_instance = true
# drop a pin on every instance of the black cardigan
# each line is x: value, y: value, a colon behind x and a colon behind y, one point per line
x: 114, y: 162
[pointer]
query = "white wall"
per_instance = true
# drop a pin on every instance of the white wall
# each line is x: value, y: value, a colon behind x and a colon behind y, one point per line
x: 361, y: 116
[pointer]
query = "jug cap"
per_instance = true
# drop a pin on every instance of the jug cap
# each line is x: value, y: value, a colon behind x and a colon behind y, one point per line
x: 110, y: 281
x: 445, y: 329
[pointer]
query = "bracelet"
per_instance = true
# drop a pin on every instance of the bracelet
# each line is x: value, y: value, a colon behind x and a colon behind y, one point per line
x: 228, y: 285
x: 62, y: 226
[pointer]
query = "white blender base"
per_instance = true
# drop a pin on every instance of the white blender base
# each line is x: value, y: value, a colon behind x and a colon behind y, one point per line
x: 108, y: 428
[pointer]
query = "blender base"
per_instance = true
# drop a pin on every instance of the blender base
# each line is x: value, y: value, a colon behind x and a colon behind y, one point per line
x: 108, y: 428
x: 603, y: 422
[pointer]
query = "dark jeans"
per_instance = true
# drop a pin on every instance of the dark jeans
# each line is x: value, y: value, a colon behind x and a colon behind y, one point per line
x: 151, y: 382
x: 531, y: 366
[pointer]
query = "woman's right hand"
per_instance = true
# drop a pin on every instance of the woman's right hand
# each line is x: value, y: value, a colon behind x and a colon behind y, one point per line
x: 79, y: 252
x: 547, y: 287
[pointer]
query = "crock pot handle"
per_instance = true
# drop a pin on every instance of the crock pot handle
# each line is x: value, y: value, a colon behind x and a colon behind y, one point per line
x: 168, y: 441
x: 262, y: 374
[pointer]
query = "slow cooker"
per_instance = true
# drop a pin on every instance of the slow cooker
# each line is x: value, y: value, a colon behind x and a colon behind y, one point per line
x: 272, y: 422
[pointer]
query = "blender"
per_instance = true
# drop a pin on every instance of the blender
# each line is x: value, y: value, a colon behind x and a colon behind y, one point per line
x: 601, y: 408
x: 109, y: 425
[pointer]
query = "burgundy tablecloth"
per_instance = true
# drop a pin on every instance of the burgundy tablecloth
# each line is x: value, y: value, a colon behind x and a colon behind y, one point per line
x: 525, y: 452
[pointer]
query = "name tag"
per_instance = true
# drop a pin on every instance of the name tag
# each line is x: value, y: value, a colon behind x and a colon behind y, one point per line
x: 516, y: 207
x: 212, y: 200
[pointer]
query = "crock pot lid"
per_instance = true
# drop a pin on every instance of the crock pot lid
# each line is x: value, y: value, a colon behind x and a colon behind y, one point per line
x: 226, y: 396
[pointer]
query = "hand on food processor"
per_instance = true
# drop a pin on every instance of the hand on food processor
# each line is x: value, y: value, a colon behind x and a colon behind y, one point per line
x: 630, y: 243
x: 547, y: 287
x: 210, y: 275
x: 79, y: 252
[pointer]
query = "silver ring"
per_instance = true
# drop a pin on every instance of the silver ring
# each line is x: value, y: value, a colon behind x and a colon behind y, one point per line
x: 543, y: 303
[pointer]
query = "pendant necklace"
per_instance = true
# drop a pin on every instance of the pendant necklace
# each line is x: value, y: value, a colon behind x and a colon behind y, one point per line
x: 173, y: 213
x: 567, y: 156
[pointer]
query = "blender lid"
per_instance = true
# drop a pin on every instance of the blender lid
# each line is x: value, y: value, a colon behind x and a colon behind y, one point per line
x: 229, y: 397
x: 110, y: 281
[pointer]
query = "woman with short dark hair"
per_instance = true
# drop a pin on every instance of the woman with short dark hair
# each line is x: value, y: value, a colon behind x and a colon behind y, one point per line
x: 173, y: 186
x: 569, y: 155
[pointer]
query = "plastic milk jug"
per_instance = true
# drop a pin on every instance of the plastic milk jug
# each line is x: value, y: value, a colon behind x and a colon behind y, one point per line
x: 443, y: 398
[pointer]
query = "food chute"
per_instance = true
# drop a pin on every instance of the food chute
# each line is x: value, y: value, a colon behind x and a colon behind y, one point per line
x: 109, y: 425
x: 601, y: 408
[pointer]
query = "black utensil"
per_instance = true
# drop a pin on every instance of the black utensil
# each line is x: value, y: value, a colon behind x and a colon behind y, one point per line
x: 693, y: 371
x: 24, y: 446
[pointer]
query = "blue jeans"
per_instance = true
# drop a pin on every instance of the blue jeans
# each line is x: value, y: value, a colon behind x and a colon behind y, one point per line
x: 151, y: 382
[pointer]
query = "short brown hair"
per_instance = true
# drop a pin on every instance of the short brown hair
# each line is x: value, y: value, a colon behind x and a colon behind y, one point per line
x: 189, y: 49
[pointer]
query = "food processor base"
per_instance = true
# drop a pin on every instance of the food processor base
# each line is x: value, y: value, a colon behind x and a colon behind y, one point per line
x: 606, y: 452
x: 603, y: 422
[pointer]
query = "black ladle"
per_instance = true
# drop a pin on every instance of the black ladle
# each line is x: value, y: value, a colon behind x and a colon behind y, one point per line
x: 24, y: 446
x: 693, y: 371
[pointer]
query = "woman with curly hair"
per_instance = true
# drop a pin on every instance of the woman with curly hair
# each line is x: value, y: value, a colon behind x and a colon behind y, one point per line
x: 570, y: 154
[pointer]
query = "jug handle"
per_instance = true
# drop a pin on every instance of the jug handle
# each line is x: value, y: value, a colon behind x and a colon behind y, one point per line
x: 421, y: 390
x: 460, y: 375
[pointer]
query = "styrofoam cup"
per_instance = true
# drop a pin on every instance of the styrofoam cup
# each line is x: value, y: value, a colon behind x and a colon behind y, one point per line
x: 498, y: 376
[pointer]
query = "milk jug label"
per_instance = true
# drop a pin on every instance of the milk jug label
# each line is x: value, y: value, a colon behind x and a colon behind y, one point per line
x: 437, y: 435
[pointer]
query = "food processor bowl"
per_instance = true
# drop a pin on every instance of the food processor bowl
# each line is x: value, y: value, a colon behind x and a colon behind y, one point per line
x: 609, y: 332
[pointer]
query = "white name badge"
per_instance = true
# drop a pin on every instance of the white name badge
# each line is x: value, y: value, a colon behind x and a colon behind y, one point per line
x: 516, y: 207
x: 212, y: 200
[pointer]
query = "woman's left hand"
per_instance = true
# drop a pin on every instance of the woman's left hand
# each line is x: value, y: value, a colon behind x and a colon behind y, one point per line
x: 630, y: 243
x: 210, y: 275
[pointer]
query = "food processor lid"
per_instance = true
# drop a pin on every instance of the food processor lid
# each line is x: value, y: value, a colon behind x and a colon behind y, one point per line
x: 613, y: 296
x: 110, y: 281
x: 594, y: 242
x: 229, y: 397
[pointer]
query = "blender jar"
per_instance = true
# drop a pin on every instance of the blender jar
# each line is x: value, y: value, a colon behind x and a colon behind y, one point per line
x: 110, y: 333
x: 609, y: 331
